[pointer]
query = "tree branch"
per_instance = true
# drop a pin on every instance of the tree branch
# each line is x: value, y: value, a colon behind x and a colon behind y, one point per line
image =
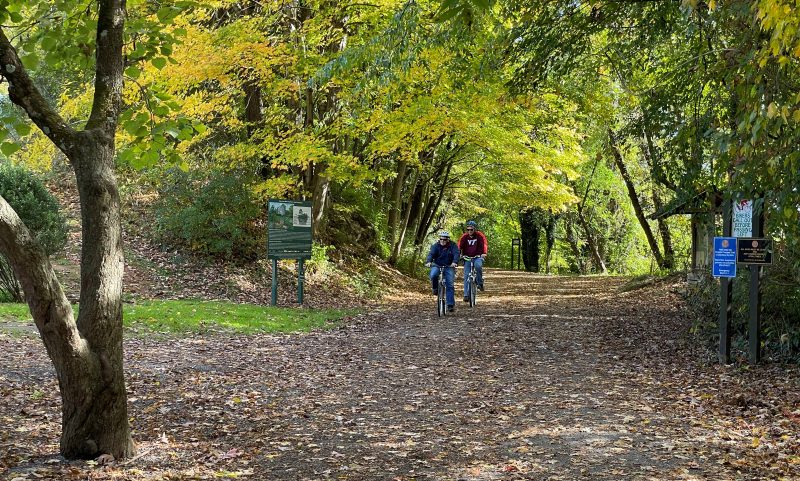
x: 49, y: 305
x: 24, y: 93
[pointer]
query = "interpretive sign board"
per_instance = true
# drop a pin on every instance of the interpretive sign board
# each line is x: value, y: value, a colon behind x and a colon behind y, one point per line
x: 742, y: 219
x: 751, y: 250
x: 289, y: 229
x: 724, y: 257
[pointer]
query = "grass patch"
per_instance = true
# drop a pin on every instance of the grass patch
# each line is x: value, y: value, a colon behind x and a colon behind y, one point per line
x: 179, y: 316
x: 11, y: 311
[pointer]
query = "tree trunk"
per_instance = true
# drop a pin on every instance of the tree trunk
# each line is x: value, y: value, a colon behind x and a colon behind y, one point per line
x: 95, y: 410
x: 320, y: 201
x: 87, y: 354
x: 397, y: 248
x: 634, y: 198
x: 531, y: 227
x: 394, y: 201
x: 666, y: 236
x: 659, y: 177
x: 550, y: 233
x: 573, y: 245
x: 432, y: 206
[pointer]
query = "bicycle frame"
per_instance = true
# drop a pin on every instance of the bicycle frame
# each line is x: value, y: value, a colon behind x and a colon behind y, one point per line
x: 441, y: 295
x: 472, y: 293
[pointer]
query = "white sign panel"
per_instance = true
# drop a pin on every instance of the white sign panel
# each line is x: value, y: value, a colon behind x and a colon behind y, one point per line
x: 743, y: 218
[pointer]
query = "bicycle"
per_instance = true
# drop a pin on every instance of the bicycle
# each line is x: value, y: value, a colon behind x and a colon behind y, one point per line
x: 441, y: 293
x: 472, y: 283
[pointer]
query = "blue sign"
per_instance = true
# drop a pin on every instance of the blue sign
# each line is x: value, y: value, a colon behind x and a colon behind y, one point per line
x: 724, y: 257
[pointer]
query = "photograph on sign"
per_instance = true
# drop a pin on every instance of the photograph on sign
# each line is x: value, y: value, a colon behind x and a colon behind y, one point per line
x: 280, y: 215
x: 301, y: 216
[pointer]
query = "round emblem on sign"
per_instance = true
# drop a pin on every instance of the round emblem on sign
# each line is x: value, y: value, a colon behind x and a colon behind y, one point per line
x: 755, y: 243
x: 725, y: 243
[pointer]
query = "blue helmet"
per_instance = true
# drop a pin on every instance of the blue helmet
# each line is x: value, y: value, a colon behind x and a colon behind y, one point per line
x: 471, y: 223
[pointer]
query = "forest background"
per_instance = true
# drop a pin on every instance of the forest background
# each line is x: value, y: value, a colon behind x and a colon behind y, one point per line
x: 567, y: 124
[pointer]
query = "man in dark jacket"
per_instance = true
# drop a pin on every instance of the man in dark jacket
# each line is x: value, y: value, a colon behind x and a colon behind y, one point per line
x: 444, y: 255
x: 473, y: 244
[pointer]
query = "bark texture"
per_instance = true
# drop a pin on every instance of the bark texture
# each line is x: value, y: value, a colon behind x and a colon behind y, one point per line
x: 87, y: 352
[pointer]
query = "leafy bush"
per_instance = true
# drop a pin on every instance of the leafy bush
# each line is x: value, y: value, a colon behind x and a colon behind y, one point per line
x: 780, y: 308
x: 781, y: 302
x: 213, y: 213
x: 38, y: 209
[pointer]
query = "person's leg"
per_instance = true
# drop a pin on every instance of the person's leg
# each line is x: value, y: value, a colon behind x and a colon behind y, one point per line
x: 434, y: 274
x: 479, y: 271
x: 449, y: 280
x: 467, y: 269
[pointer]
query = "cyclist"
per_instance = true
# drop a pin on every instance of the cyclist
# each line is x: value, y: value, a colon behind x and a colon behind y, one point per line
x: 473, y: 244
x: 444, y: 253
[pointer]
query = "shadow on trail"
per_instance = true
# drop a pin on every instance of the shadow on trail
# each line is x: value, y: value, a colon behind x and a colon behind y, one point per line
x: 547, y: 378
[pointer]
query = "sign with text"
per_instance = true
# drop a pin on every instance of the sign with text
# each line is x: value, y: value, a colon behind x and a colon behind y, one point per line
x: 754, y: 250
x: 742, y: 219
x: 289, y: 229
x: 724, y: 257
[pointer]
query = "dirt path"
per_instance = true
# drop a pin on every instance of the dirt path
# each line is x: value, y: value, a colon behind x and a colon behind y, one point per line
x: 548, y: 378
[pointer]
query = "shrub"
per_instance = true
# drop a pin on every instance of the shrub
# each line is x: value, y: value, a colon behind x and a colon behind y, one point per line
x: 40, y: 212
x: 212, y: 213
x: 780, y: 308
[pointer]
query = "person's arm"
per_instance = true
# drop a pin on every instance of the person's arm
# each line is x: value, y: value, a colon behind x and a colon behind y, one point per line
x: 485, y: 244
x: 456, y: 255
x: 429, y: 259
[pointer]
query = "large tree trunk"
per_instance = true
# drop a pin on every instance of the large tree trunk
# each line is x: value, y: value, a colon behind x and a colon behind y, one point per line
x: 634, y: 198
x: 87, y: 354
x: 95, y: 417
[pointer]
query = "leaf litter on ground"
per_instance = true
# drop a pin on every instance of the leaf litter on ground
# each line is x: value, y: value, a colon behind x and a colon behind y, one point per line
x: 547, y: 378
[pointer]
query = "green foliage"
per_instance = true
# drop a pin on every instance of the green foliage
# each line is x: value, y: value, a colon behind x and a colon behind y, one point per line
x: 213, y: 213
x: 703, y: 303
x: 320, y: 263
x: 780, y: 315
x: 40, y: 212
x: 35, y: 205
x: 152, y: 125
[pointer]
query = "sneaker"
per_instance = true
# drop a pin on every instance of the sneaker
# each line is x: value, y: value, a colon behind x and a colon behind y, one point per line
x: 480, y: 287
x: 451, y: 308
x: 466, y: 299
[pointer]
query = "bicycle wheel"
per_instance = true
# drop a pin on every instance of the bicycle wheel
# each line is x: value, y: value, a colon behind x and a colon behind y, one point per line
x: 473, y: 292
x: 441, y: 300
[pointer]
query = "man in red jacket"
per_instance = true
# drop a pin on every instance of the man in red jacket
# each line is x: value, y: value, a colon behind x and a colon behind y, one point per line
x: 473, y: 244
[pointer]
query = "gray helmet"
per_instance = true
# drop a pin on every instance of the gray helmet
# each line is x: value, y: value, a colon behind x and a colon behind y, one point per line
x: 444, y: 234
